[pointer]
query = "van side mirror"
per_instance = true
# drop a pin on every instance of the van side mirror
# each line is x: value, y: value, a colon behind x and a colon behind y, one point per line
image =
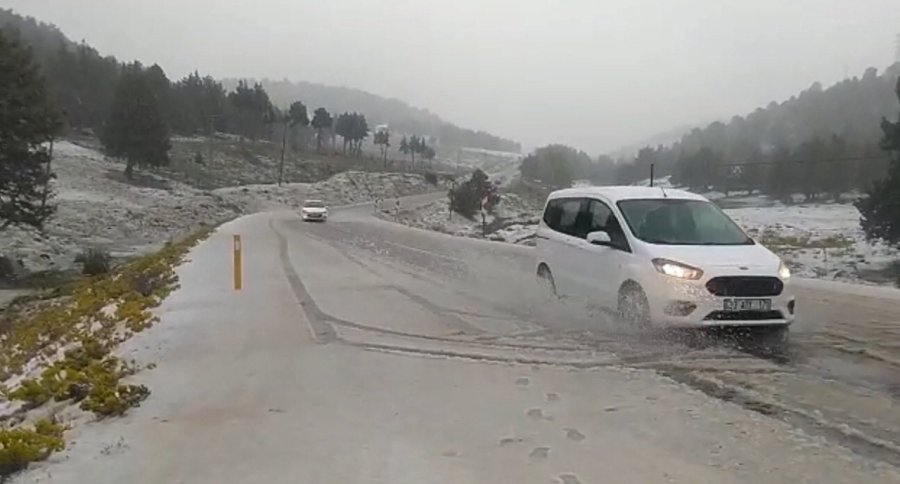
x: 599, y: 237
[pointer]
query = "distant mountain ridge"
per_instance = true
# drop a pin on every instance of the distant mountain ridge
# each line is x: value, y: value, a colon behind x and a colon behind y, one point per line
x: 47, y: 41
x: 663, y: 138
x: 850, y: 110
x: 400, y: 116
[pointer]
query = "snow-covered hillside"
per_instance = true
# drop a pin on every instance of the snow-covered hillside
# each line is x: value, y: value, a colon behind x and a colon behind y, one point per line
x: 514, y: 220
x: 98, y: 208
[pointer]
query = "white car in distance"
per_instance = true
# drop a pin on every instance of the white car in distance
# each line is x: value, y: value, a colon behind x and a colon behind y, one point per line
x: 660, y: 257
x: 314, y: 210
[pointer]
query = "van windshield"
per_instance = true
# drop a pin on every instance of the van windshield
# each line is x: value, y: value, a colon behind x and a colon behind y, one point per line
x: 681, y: 222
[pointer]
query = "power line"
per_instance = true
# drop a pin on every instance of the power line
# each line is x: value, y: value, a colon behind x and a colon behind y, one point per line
x: 809, y: 162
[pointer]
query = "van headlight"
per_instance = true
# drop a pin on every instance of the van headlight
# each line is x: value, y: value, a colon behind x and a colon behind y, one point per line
x: 677, y: 269
x: 784, y: 271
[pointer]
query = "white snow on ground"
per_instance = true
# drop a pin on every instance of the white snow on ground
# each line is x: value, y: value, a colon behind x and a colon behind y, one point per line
x: 343, y: 188
x: 514, y: 220
x: 98, y: 208
x: 818, y: 240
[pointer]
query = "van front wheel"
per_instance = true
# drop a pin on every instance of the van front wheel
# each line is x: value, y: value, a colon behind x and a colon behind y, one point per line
x: 634, y: 308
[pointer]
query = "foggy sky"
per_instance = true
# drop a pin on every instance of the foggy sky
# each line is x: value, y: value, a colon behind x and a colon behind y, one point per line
x: 591, y: 73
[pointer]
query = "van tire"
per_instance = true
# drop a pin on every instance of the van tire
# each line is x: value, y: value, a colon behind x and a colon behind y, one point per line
x: 634, y: 308
x: 545, y: 279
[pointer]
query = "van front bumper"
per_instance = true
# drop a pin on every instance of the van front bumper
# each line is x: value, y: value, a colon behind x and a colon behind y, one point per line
x: 691, y: 304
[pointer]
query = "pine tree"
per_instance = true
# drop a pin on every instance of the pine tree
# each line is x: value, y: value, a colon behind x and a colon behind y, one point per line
x: 136, y: 129
x: 321, y: 121
x: 404, y: 146
x: 27, y: 122
x: 252, y: 110
x: 382, y: 138
x: 359, y: 132
x: 414, y: 146
x: 779, y: 181
x: 297, y: 116
x: 343, y: 128
x: 881, y: 209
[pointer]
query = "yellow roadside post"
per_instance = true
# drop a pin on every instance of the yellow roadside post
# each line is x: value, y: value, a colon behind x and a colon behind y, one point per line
x: 238, y: 269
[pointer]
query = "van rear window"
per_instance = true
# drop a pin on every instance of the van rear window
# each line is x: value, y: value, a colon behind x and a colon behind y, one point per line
x: 561, y: 213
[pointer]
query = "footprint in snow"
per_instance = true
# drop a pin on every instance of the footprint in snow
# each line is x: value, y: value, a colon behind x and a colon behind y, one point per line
x: 539, y: 453
x: 510, y: 441
x: 568, y: 479
x: 535, y: 413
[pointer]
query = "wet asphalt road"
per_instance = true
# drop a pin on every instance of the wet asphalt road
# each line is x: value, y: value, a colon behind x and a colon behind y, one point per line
x: 837, y: 377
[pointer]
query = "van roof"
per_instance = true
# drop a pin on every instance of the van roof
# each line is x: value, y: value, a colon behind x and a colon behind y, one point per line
x: 614, y: 194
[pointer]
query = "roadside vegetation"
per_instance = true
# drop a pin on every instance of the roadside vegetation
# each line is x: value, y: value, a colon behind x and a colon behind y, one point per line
x: 469, y: 197
x: 881, y: 209
x: 24, y: 445
x: 61, y: 351
x: 775, y: 240
x: 94, y: 262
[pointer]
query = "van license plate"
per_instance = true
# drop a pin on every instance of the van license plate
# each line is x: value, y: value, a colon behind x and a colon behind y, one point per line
x: 748, y: 305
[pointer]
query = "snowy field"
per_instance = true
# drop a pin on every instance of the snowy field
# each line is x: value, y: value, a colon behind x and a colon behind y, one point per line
x: 98, y: 208
x: 513, y: 221
x: 819, y: 240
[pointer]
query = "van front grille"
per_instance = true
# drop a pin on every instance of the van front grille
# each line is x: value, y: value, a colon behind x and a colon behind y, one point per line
x: 743, y: 315
x: 745, y: 286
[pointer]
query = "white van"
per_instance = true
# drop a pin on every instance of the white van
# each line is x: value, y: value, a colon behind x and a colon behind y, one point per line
x: 660, y: 257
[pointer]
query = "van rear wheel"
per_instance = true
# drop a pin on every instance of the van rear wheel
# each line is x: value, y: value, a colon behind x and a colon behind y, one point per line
x: 634, y: 308
x: 545, y: 279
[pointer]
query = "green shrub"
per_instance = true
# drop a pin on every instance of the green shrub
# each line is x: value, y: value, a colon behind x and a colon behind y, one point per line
x: 32, y: 392
x: 94, y: 262
x: 21, y: 446
x: 8, y: 269
x: 87, y: 374
x: 431, y: 178
x: 466, y: 198
x: 114, y: 400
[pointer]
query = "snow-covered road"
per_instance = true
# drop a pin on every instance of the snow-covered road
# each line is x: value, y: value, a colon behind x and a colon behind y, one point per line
x: 363, y: 351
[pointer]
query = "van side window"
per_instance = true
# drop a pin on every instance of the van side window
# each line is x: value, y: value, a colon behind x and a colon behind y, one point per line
x: 561, y: 214
x: 601, y: 217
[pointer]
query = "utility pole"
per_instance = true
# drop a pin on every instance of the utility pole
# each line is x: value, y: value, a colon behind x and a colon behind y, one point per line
x: 651, y: 173
x: 46, y: 193
x: 897, y: 53
x: 212, y: 134
x: 284, y: 127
